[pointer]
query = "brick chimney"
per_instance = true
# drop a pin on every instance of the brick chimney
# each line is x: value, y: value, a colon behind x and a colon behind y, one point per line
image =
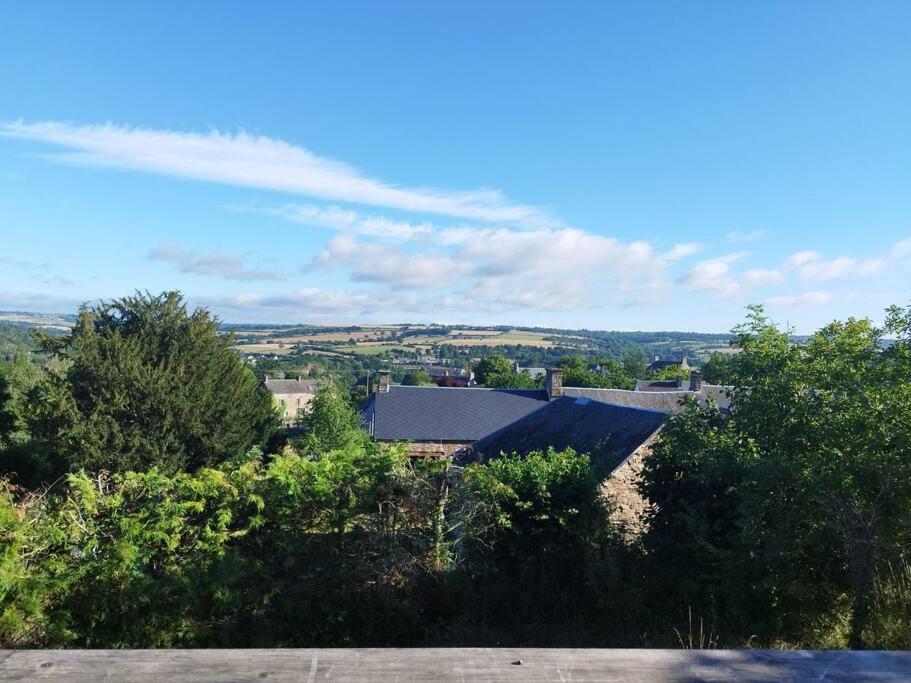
x: 695, y: 381
x: 553, y: 383
x: 382, y: 384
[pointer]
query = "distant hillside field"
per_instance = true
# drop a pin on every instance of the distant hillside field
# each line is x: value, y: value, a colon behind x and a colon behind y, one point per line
x: 456, y: 343
x: 45, y: 321
x: 466, y: 342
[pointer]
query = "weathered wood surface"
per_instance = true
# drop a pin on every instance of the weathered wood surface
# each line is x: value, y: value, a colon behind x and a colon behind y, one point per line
x: 453, y: 664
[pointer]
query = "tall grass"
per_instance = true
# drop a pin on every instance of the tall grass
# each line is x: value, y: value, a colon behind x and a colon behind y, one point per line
x: 890, y: 623
x: 696, y: 641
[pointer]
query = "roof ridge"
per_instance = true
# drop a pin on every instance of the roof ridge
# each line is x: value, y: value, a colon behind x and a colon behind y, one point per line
x: 621, y: 405
x: 415, y: 386
x: 633, y: 393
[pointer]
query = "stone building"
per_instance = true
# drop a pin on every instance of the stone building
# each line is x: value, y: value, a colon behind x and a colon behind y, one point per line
x: 291, y: 397
x: 661, y: 364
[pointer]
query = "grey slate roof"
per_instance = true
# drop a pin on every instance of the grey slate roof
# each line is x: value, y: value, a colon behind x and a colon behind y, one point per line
x: 609, y: 433
x: 668, y: 401
x: 290, y: 386
x: 455, y: 414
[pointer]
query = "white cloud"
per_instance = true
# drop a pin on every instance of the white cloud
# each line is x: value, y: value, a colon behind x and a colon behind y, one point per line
x: 344, y: 220
x: 761, y: 276
x: 227, y: 265
x: 546, y: 253
x: 682, y: 251
x: 557, y: 269
x: 802, y: 258
x: 900, y: 251
x: 382, y: 263
x: 715, y: 276
x: 812, y: 266
x: 496, y: 256
x: 258, y: 161
x: 498, y: 269
x: 798, y: 300
x: 738, y: 237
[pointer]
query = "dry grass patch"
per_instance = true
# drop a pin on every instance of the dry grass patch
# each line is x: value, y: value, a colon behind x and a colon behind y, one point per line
x: 264, y: 348
x: 512, y: 337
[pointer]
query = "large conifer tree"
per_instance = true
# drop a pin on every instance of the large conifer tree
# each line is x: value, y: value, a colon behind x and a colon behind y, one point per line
x: 144, y: 382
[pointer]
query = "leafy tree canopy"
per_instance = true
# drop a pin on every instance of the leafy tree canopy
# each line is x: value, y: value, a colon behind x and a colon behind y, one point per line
x: 719, y: 369
x: 670, y: 372
x: 417, y: 378
x: 603, y: 373
x: 331, y: 423
x: 810, y: 476
x: 17, y: 378
x: 499, y: 372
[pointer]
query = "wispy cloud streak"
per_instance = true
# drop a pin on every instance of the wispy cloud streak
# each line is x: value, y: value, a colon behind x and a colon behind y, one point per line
x: 223, y: 264
x: 341, y: 220
x: 248, y: 160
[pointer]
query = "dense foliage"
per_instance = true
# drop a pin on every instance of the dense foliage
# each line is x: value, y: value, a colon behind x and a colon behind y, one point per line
x: 331, y: 422
x: 777, y: 518
x: 361, y: 545
x: 18, y: 377
x: 143, y: 382
x: 719, y: 369
x: 780, y: 522
x: 14, y: 337
x: 603, y: 373
x: 417, y: 378
x: 498, y: 372
x: 669, y: 372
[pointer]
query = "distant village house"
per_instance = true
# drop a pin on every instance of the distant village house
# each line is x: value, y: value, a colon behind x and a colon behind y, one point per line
x: 536, y: 373
x: 291, y: 397
x: 660, y: 364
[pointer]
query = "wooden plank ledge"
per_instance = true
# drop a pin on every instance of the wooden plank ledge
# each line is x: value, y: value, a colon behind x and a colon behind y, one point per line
x: 441, y: 665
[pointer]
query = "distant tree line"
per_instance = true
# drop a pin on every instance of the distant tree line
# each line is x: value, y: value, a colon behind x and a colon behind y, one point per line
x: 14, y: 338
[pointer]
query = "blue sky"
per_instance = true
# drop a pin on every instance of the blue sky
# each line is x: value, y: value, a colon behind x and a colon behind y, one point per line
x: 635, y: 165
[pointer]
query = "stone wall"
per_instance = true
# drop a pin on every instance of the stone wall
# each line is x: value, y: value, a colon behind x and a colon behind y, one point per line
x: 292, y: 405
x: 622, y: 494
